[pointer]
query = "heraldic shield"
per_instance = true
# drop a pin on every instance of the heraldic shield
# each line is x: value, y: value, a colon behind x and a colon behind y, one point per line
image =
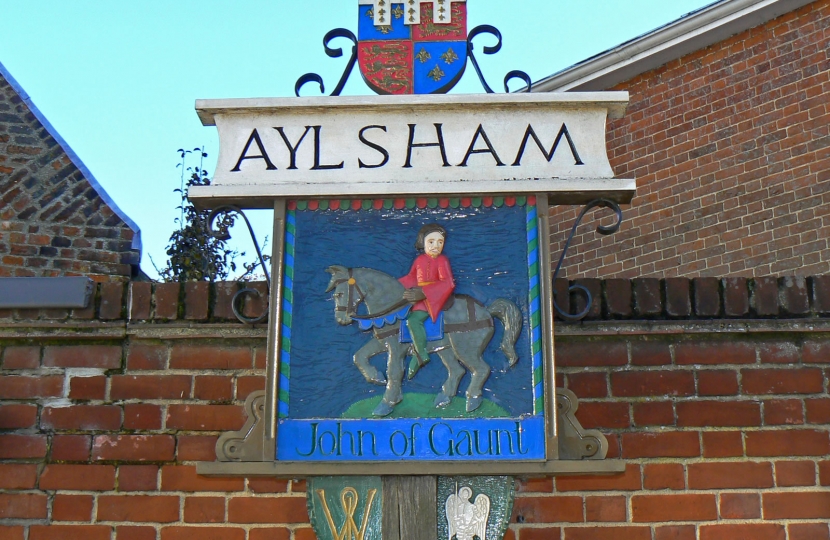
x: 412, y: 47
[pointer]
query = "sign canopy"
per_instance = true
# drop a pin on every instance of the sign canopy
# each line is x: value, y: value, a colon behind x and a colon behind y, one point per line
x: 408, y: 145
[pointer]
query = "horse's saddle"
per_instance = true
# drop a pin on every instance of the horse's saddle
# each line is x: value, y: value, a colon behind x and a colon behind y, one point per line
x: 435, y: 330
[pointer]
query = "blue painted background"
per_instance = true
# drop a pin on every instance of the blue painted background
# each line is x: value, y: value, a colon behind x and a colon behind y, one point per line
x: 487, y: 248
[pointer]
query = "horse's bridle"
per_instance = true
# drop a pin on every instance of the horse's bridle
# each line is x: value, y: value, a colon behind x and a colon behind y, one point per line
x: 350, y: 308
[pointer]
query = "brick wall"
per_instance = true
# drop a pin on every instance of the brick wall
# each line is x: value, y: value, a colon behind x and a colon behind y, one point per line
x: 714, y: 392
x: 730, y: 147
x: 53, y: 222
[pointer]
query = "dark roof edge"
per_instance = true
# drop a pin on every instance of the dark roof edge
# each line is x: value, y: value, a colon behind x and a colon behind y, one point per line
x: 692, y: 32
x: 136, y: 243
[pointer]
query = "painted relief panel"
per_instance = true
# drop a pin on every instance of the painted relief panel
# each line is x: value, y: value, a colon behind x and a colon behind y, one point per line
x: 411, y: 331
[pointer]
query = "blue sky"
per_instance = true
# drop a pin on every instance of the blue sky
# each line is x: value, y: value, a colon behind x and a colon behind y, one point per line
x: 118, y: 79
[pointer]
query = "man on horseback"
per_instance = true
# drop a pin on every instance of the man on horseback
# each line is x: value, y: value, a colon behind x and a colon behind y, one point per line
x: 429, y: 284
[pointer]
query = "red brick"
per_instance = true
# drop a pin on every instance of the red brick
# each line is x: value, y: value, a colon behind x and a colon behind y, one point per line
x: 18, y: 416
x: 138, y: 508
x: 83, y: 356
x: 205, y: 417
x: 88, y: 388
x: 628, y: 481
x: 213, y: 388
x: 735, y: 297
x: 133, y: 532
x: 779, y: 412
x: 22, y: 506
x: 666, y: 444
x: 11, y: 533
x: 808, y: 531
x: 18, y: 476
x: 818, y: 411
x: 203, y: 533
x: 791, y: 505
x: 147, y: 357
x: 196, y: 357
x: 718, y: 413
x: 112, y: 301
x: 650, y: 353
x: 725, y: 352
x: 652, y: 383
x: 675, y: 532
x: 765, y: 296
x: 654, y: 413
x: 730, y: 475
x: 99, y: 417
x: 590, y: 353
x: 224, y: 296
x: 78, y: 477
x: 603, y: 415
x: 816, y: 352
x: 140, y: 297
x: 276, y: 485
x: 275, y: 533
x: 684, y: 507
x: 260, y: 357
x: 555, y: 509
x: 663, y: 476
x: 204, y: 510
x: 588, y: 385
x: 742, y: 531
x: 184, y: 478
x: 196, y: 448
x: 72, y: 508
x: 142, y: 416
x: 21, y: 358
x: 824, y: 473
x: 782, y: 381
x: 778, y: 353
x: 605, y: 509
x: 535, y: 533
x: 246, y: 385
x: 138, y: 477
x: 133, y: 448
x: 167, y: 300
x: 30, y: 387
x: 22, y: 446
x: 795, y: 473
x: 706, y: 293
x: 71, y: 447
x: 150, y: 387
x: 678, y: 297
x: 803, y: 442
x: 793, y: 295
x: 280, y: 510
x: 618, y: 297
x: 740, y: 505
x: 717, y: 383
x: 647, y: 300
x: 603, y: 533
x: 719, y: 444
x: 70, y: 532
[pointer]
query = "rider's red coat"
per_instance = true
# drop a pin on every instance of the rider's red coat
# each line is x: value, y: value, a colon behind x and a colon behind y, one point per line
x: 434, y: 277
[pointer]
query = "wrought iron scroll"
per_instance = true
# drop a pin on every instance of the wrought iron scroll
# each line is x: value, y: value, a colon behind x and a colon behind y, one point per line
x: 332, y: 53
x: 223, y: 233
x: 515, y: 74
x: 602, y: 229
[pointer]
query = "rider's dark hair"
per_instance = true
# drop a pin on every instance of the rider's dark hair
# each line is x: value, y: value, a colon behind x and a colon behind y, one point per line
x: 425, y: 231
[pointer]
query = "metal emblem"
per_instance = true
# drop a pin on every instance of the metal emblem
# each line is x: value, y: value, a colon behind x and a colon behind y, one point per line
x: 412, y: 47
x: 466, y: 519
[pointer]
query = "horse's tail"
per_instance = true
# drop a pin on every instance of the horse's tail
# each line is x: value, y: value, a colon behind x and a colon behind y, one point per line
x: 510, y: 316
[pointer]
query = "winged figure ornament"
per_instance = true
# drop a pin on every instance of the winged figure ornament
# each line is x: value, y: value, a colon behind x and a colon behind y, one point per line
x: 467, y: 519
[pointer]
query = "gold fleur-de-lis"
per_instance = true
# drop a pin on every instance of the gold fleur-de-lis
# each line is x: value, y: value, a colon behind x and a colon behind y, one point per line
x: 436, y: 74
x: 371, y: 13
x: 423, y: 55
x: 384, y: 29
x: 449, y: 56
x: 397, y: 12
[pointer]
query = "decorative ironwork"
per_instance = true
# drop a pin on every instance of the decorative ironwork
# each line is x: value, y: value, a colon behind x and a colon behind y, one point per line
x: 603, y: 230
x: 332, y: 53
x: 422, y: 56
x: 222, y: 233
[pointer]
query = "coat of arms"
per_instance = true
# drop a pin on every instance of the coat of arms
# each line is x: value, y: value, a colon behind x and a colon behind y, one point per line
x: 412, y: 47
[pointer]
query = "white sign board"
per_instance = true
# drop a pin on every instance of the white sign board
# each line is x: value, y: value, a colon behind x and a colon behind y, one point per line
x: 412, y: 145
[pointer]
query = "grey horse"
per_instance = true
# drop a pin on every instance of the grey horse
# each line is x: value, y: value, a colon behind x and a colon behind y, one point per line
x: 468, y: 328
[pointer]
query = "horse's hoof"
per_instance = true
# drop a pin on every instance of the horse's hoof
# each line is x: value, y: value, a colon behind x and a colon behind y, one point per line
x: 473, y: 403
x: 442, y: 400
x: 383, y: 409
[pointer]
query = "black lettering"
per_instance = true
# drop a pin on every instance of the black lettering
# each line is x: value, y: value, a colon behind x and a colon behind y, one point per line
x: 313, y: 441
x: 489, y: 150
x: 412, y: 144
x: 478, y: 444
x: 293, y: 149
x: 519, y: 438
x: 340, y: 435
x: 377, y: 147
x: 549, y: 155
x: 317, y: 165
x: 262, y: 153
x: 371, y: 435
x: 499, y: 433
